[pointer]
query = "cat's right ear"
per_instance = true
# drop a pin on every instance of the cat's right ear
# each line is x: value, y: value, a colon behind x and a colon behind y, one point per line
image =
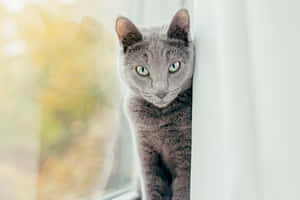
x: 127, y: 32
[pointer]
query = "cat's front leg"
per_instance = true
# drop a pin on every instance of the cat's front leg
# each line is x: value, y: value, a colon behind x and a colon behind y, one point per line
x: 155, y: 183
x: 181, y: 187
x: 181, y: 181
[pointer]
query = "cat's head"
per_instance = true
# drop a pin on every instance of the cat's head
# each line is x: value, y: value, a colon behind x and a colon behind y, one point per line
x: 157, y: 63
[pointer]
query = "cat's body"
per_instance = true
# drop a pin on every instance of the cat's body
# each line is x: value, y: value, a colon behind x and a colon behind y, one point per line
x: 157, y: 66
x: 163, y: 138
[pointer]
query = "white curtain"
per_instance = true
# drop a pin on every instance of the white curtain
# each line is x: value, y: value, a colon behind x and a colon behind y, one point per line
x: 246, y: 117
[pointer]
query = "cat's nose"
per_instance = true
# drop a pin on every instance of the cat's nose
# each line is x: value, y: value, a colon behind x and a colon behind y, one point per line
x: 161, y: 94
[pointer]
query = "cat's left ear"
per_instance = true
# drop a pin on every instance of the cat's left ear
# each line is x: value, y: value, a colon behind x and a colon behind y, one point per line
x: 127, y: 32
x: 180, y: 26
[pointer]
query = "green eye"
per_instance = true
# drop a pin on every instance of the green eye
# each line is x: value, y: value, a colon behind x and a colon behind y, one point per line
x: 142, y: 71
x: 174, y: 67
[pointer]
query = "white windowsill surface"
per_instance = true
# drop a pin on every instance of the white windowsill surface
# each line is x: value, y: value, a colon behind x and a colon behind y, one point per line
x: 128, y: 193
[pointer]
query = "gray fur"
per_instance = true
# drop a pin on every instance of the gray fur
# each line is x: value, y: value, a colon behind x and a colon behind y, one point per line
x: 162, y: 123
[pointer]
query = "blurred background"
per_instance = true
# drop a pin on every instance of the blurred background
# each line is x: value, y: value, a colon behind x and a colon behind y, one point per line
x: 59, y: 100
x: 63, y: 132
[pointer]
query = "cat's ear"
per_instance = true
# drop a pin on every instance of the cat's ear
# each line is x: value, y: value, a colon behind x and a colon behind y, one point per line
x: 127, y: 32
x: 180, y: 26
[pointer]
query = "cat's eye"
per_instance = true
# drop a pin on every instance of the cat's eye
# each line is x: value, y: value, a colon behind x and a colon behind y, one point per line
x: 142, y: 70
x: 174, y: 67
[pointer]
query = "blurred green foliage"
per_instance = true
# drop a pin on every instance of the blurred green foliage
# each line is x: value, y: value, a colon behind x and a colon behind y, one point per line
x: 70, y: 56
x: 75, y: 90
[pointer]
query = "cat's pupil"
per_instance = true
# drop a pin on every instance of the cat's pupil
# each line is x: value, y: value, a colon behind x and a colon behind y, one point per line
x: 142, y: 71
x: 174, y: 67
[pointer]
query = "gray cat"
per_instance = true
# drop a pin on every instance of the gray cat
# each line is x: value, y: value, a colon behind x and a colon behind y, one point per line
x: 157, y: 66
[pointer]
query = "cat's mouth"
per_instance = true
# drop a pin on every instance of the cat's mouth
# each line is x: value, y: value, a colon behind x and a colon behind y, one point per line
x: 161, y: 102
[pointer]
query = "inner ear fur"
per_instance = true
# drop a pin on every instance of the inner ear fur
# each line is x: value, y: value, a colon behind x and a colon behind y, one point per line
x: 127, y: 32
x: 180, y: 26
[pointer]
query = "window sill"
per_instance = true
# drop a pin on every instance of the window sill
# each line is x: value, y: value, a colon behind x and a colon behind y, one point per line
x: 125, y: 194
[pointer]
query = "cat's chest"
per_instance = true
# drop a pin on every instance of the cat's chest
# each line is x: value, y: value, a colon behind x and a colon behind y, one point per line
x: 146, y: 117
x: 168, y: 130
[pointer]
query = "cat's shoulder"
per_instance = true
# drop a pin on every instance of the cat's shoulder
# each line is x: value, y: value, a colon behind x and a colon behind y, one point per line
x: 141, y: 113
x: 138, y: 107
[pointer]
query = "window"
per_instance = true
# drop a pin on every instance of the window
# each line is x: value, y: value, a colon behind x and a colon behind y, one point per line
x: 60, y: 102
x: 64, y: 133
